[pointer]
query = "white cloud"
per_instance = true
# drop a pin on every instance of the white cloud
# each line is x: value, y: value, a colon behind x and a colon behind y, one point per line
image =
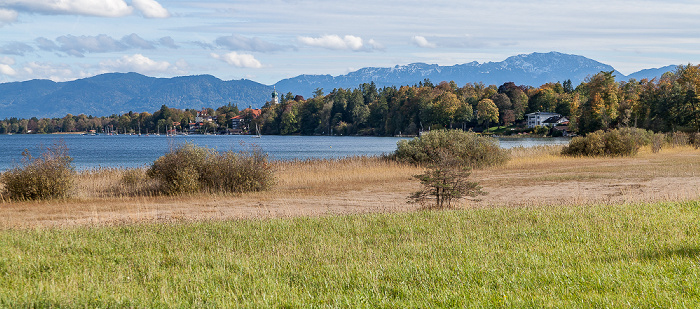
x: 54, y: 72
x: 422, y: 42
x: 7, y: 16
x: 137, y: 63
x: 102, y: 8
x: 7, y: 60
x: 239, y: 60
x: 348, y: 42
x: 374, y: 44
x: 7, y: 70
x: 60, y: 72
x: 150, y: 8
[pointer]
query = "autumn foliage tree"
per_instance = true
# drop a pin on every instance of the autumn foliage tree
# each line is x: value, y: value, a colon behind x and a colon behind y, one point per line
x: 487, y: 112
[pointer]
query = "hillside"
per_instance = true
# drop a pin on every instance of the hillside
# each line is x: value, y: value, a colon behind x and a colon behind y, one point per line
x: 118, y: 93
x: 532, y: 69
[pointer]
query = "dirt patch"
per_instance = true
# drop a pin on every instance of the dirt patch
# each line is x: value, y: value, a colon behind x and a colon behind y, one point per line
x: 672, y: 175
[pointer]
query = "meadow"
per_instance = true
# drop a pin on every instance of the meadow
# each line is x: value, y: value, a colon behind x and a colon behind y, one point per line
x: 553, y: 232
x: 633, y: 255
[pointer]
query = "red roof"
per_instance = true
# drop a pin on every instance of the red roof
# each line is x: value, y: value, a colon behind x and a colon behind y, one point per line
x: 256, y: 112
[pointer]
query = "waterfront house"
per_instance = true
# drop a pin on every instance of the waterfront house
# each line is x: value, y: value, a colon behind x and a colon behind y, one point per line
x: 537, y: 119
x: 555, y: 121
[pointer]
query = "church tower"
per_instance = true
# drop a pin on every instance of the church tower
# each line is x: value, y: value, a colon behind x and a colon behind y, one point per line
x: 275, y: 96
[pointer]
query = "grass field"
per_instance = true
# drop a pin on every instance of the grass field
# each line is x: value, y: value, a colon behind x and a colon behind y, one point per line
x: 635, y: 255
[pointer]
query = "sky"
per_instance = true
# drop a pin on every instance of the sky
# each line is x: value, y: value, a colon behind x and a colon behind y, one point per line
x: 270, y: 40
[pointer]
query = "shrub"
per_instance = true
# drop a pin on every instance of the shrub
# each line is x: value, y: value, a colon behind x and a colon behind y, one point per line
x: 474, y: 150
x: 640, y: 136
x: 696, y: 139
x: 48, y: 176
x: 679, y: 139
x: 541, y: 130
x: 657, y: 142
x: 445, y: 180
x: 190, y: 169
x: 618, y: 142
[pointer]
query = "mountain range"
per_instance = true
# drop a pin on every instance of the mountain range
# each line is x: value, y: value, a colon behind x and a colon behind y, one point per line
x: 119, y: 93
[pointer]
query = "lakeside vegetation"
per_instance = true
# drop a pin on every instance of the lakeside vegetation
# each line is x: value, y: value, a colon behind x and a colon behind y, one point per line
x: 185, y: 169
x: 188, y: 169
x: 668, y: 104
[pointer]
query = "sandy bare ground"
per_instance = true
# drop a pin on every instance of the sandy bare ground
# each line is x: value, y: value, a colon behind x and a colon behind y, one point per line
x: 369, y: 186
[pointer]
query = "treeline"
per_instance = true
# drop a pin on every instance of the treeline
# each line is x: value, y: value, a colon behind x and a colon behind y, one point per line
x: 163, y: 119
x: 670, y: 103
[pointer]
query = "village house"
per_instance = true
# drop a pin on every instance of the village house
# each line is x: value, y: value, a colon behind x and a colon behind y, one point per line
x: 562, y: 130
x: 538, y: 118
x: 203, y: 116
x: 555, y: 121
x: 238, y: 123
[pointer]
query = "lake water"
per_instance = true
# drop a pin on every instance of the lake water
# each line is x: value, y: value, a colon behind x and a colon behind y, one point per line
x: 135, y: 151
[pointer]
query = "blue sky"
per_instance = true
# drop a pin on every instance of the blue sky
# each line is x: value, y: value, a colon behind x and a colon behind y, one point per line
x: 269, y: 40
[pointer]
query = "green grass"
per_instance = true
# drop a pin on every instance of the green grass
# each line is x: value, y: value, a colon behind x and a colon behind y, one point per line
x: 643, y: 255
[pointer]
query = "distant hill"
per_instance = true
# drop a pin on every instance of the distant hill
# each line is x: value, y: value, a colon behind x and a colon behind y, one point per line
x: 118, y: 93
x: 651, y: 73
x: 532, y: 69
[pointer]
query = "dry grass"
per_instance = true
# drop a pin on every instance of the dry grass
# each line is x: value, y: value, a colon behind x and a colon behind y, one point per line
x: 329, y: 177
x: 114, y: 183
x: 304, y: 188
x: 533, y: 177
x: 539, y: 176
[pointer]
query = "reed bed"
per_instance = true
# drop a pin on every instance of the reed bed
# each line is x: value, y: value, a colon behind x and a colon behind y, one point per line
x: 317, y: 176
x: 104, y: 183
x: 339, y: 175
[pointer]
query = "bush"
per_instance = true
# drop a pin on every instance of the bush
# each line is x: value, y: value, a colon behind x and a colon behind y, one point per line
x: 444, y: 181
x: 657, y: 142
x: 474, y: 150
x: 618, y: 142
x: 541, y: 130
x: 695, y: 139
x: 189, y: 169
x: 48, y: 176
x: 679, y: 139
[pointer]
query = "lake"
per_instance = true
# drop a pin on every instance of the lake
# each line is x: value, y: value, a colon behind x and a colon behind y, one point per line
x: 134, y: 151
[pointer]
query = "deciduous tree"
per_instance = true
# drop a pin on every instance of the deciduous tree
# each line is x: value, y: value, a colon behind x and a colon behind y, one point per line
x: 487, y: 112
x: 444, y: 181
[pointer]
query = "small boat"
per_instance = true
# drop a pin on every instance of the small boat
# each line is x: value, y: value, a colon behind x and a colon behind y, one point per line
x: 257, y: 132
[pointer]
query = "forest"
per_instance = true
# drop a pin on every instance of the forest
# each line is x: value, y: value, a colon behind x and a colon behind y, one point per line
x: 667, y: 104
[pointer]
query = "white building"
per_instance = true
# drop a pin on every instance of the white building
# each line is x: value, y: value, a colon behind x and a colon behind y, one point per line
x: 537, y: 119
